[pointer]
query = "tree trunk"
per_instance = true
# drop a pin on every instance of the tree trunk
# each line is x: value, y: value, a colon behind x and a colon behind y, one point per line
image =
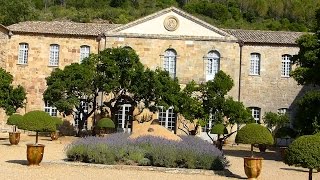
x: 36, y: 137
x: 310, y: 174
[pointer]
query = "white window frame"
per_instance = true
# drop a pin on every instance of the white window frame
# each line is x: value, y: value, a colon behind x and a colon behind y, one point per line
x: 23, y: 53
x: 285, y: 65
x: 170, y: 62
x: 256, y: 114
x: 167, y: 118
x: 85, y: 106
x: 255, y: 63
x: 54, y: 55
x: 213, y: 64
x: 84, y: 52
x: 51, y: 110
x: 123, y: 116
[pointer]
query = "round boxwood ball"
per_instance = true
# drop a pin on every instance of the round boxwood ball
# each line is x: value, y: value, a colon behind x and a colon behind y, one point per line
x: 219, y: 129
x: 284, y: 132
x: 254, y: 134
x: 14, y: 119
x: 38, y: 121
x: 105, y: 123
x: 304, y: 152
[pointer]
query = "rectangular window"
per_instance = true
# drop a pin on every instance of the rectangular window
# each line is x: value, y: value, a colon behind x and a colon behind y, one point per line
x: 80, y: 115
x: 255, y: 111
x: 285, y: 65
x: 23, y: 53
x: 84, y: 52
x: 52, y: 111
x: 255, y: 64
x: 124, y: 118
x: 54, y: 55
x: 167, y: 118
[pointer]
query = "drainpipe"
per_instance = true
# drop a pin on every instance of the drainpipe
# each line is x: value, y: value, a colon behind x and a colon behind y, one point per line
x: 241, y: 44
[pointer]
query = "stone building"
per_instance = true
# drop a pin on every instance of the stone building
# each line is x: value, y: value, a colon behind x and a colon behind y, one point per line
x: 189, y: 48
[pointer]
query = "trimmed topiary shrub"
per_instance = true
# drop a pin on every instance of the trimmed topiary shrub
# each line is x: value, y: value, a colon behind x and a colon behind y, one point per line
x: 38, y: 121
x: 219, y: 129
x: 58, y: 122
x: 285, y: 132
x: 304, y: 152
x: 14, y: 120
x: 254, y: 134
x: 105, y: 125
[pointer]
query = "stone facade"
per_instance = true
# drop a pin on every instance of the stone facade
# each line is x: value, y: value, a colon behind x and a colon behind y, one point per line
x: 191, y: 38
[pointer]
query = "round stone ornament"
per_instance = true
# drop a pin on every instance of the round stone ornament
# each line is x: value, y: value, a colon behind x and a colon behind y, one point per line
x: 171, y: 23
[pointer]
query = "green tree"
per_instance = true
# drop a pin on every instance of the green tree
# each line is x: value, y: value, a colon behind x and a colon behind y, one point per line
x: 304, y: 152
x: 11, y: 98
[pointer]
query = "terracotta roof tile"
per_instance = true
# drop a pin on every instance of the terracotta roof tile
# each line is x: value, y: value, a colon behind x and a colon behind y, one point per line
x: 272, y: 37
x: 61, y: 27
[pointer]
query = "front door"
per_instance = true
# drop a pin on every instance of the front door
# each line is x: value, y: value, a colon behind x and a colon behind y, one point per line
x: 124, y: 118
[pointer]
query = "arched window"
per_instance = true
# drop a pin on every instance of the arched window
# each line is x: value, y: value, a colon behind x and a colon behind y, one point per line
x: 169, y: 62
x: 84, y: 52
x: 286, y: 65
x: 23, y: 53
x: 213, y: 64
x: 255, y: 60
x: 54, y: 55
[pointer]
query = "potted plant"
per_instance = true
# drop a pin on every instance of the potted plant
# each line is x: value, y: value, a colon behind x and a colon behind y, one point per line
x: 253, y: 134
x: 55, y: 134
x: 105, y: 126
x: 304, y: 152
x: 219, y: 129
x: 14, y: 120
x: 38, y: 121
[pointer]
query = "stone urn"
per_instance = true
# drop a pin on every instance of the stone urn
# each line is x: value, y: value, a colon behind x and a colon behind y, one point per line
x: 14, y: 138
x: 252, y: 167
x: 35, y: 153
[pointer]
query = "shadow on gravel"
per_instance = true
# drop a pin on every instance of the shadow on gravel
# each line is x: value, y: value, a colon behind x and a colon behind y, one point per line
x: 293, y: 169
x: 22, y: 162
x: 229, y: 174
x: 271, y: 155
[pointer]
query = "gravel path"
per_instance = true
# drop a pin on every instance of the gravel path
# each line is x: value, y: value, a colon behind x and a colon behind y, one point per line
x: 13, y: 165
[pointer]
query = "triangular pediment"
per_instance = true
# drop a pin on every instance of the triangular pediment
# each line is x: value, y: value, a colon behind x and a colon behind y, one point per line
x: 172, y: 22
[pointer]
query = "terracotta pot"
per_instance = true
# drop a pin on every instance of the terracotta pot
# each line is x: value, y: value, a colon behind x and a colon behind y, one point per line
x: 54, y: 135
x: 252, y: 166
x: 14, y: 138
x: 35, y: 153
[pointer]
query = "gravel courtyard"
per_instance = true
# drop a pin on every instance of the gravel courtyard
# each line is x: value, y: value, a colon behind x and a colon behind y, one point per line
x: 13, y: 165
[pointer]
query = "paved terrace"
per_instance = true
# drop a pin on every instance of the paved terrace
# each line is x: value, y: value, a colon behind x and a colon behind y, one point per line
x: 13, y: 165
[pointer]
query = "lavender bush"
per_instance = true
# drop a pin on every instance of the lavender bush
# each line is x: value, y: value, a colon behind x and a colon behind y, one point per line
x: 191, y: 152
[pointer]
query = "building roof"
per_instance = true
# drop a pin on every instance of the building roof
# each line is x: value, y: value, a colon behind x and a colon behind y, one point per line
x: 266, y: 37
x: 61, y: 27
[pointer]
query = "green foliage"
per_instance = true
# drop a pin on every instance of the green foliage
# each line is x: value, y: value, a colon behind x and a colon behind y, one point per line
x: 38, y: 121
x: 254, y: 134
x: 219, y: 129
x: 66, y: 129
x: 57, y: 121
x: 285, y: 132
x: 272, y: 119
x: 14, y: 119
x: 236, y: 112
x: 304, y: 152
x: 307, y: 120
x: 105, y: 123
x: 11, y: 98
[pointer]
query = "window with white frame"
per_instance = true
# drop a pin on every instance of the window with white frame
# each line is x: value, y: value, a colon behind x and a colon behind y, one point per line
x: 213, y: 64
x: 23, y: 53
x: 81, y: 115
x: 283, y: 110
x: 51, y: 110
x: 256, y: 112
x: 255, y: 60
x: 167, y: 118
x: 285, y: 65
x: 124, y: 118
x: 208, y: 126
x: 84, y: 52
x: 54, y: 55
x: 169, y: 62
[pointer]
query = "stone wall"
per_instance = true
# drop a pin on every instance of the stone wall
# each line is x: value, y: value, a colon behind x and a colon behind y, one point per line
x: 3, y: 43
x: 269, y: 90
